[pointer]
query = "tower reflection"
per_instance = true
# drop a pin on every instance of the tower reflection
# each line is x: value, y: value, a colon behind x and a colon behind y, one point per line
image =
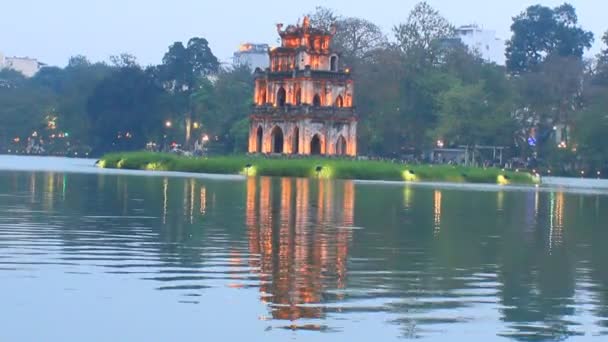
x: 300, y: 229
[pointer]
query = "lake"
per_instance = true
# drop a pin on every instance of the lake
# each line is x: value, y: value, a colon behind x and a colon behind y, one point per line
x: 107, y: 255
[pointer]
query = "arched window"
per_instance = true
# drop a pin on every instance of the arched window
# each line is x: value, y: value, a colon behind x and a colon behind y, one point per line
x: 281, y: 97
x: 296, y: 141
x: 341, y: 146
x: 259, y: 141
x: 298, y: 96
x: 339, y: 102
x: 316, y: 101
x: 315, y: 145
x: 333, y: 62
x: 277, y: 140
x: 262, y: 97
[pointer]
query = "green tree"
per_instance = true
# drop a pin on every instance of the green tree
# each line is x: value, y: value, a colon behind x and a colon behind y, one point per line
x: 223, y: 104
x: 472, y: 115
x: 540, y: 32
x: 125, y: 110
x: 181, y: 73
x: 423, y: 32
x: 601, y: 71
x: 590, y: 131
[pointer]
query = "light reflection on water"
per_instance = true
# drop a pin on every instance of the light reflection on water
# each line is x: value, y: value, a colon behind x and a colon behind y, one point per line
x: 161, y: 258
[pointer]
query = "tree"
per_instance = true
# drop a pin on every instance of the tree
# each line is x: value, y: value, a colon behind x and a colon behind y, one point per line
x: 356, y: 38
x: 183, y: 66
x: 540, y: 32
x: 473, y: 115
x: 423, y: 31
x: 601, y: 70
x: 125, y: 110
x: 181, y: 72
x: 590, y: 131
x: 323, y: 18
x: 222, y: 105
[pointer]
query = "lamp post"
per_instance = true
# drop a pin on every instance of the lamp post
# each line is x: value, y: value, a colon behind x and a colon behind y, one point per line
x: 168, y: 125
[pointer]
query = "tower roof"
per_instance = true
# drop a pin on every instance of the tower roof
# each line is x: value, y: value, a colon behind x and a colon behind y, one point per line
x: 300, y: 30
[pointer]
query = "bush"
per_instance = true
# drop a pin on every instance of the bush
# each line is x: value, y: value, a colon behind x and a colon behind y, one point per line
x: 313, y: 167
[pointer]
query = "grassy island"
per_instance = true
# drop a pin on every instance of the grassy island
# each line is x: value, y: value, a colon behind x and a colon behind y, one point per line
x: 314, y: 167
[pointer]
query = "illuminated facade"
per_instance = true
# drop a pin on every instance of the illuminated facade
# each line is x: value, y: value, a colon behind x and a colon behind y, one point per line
x: 303, y: 103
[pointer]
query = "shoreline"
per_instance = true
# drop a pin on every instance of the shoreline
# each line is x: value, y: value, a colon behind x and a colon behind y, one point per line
x: 87, y: 166
x: 325, y: 168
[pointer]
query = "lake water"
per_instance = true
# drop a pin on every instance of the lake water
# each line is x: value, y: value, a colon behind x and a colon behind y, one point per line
x: 97, y: 255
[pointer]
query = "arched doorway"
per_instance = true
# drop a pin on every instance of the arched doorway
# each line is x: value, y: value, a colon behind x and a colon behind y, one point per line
x: 315, y: 145
x: 259, y: 136
x: 296, y: 141
x: 281, y: 97
x: 277, y: 140
x: 341, y: 146
x: 298, y: 96
x: 316, y: 101
x: 339, y: 101
x: 334, y: 63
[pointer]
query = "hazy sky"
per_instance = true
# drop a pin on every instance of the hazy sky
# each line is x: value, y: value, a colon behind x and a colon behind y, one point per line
x: 54, y: 30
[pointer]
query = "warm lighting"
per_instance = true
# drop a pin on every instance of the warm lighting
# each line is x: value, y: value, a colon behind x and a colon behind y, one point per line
x: 347, y: 70
x: 562, y: 145
x: 409, y: 176
x: 17, y: 139
x: 168, y: 124
x: 249, y: 170
x: 205, y: 138
x: 196, y: 125
x: 440, y: 143
x: 318, y: 169
x: 502, y: 179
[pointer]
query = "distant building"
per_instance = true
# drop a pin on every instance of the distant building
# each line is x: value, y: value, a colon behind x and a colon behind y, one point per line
x: 25, y: 65
x: 252, y: 55
x: 484, y: 42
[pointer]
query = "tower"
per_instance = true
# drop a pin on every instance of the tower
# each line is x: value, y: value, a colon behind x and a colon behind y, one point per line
x: 303, y: 103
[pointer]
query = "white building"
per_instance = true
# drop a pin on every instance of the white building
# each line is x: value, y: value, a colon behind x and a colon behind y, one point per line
x: 25, y: 65
x: 252, y: 55
x: 483, y: 42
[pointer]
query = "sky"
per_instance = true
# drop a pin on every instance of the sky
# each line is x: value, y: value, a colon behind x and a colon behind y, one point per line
x: 54, y: 30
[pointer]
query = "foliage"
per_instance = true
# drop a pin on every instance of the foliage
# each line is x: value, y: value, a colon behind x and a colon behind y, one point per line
x: 124, y: 110
x: 540, y: 31
x: 355, y: 38
x: 424, y: 87
x: 423, y: 32
x: 312, y: 167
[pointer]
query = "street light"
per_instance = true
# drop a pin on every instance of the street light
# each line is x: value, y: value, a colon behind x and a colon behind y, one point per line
x: 168, y: 124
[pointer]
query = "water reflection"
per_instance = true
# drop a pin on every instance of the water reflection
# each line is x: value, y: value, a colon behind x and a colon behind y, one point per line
x: 437, y: 212
x: 305, y: 254
x: 299, y: 259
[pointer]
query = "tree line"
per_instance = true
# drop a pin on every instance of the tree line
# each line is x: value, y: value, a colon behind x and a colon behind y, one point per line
x: 416, y: 86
